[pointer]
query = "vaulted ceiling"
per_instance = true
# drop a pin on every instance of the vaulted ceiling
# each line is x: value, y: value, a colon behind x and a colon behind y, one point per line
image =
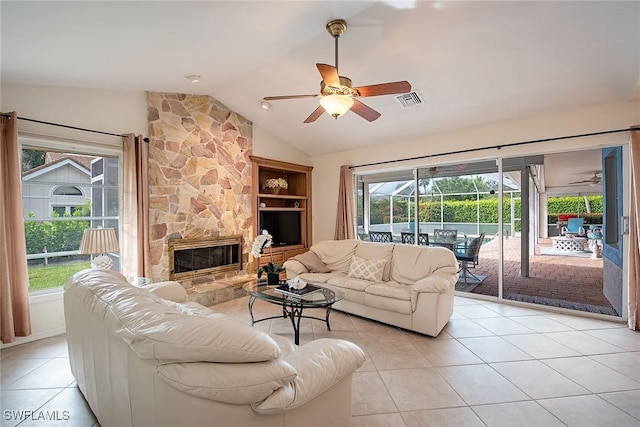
x: 471, y: 62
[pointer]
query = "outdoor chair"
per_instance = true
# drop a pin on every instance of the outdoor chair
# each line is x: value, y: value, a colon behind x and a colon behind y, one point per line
x: 410, y: 238
x: 469, y: 258
x: 574, y: 226
x: 380, y: 236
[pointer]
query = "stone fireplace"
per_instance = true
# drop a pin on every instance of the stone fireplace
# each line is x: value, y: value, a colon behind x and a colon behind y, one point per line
x: 209, y: 256
x: 199, y: 176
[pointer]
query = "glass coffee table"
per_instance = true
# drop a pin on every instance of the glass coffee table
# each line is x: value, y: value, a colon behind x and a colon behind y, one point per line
x: 292, y: 306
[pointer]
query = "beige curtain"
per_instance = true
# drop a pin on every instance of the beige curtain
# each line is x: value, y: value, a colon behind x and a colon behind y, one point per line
x: 14, y: 274
x: 134, y: 242
x: 634, y: 233
x: 345, y: 218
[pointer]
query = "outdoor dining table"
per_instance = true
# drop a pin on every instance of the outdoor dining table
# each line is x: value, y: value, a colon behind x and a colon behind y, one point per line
x: 449, y: 242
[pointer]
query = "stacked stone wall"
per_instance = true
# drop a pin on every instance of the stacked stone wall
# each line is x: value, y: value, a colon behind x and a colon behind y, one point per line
x: 199, y: 173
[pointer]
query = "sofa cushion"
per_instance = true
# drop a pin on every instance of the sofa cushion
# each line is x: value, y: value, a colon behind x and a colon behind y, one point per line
x: 312, y: 262
x: 373, y: 251
x: 390, y: 290
x: 336, y: 254
x: 349, y: 283
x: 236, y: 383
x: 411, y: 263
x: 319, y: 278
x: 371, y: 270
x: 389, y: 304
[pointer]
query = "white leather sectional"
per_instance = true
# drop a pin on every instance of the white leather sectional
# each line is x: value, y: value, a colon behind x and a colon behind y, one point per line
x: 413, y: 289
x: 145, y: 357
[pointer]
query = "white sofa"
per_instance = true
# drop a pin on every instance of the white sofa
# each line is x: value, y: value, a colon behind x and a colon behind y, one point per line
x: 403, y: 285
x: 145, y: 357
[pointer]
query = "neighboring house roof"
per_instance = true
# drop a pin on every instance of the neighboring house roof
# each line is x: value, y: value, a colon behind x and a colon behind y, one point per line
x: 53, y: 156
x: 48, y: 167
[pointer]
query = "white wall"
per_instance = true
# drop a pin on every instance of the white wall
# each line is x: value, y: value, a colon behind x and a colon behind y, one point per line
x: 591, y: 119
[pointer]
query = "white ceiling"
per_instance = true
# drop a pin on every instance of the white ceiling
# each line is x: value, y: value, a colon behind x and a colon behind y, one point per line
x: 472, y: 62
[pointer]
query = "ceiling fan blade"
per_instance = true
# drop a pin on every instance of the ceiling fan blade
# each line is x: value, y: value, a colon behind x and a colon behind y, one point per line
x: 329, y: 75
x: 276, y: 98
x: 581, y: 182
x: 314, y: 116
x: 384, y: 89
x: 364, y: 111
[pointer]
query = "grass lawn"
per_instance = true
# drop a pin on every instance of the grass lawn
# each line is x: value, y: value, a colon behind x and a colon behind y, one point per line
x: 53, y: 276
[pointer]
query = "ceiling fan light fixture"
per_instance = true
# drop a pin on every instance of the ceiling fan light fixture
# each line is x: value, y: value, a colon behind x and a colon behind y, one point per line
x: 336, y: 105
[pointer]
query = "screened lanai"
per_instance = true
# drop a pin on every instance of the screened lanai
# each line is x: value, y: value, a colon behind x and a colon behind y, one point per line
x: 517, y: 260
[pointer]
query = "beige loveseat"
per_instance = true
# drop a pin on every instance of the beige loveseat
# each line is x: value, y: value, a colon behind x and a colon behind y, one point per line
x: 146, y: 357
x: 403, y: 285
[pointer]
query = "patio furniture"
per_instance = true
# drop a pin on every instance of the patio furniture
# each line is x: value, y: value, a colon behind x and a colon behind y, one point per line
x: 410, y: 238
x: 438, y: 232
x: 381, y: 236
x: 469, y: 258
x: 574, y: 226
x: 568, y: 243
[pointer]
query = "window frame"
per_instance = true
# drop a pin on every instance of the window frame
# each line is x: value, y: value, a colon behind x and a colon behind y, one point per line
x: 87, y: 147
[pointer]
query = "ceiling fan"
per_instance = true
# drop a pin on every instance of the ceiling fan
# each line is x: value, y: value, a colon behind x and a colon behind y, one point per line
x: 594, y: 180
x: 337, y: 96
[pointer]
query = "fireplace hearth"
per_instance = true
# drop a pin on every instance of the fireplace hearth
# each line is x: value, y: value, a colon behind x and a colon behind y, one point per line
x: 195, y: 257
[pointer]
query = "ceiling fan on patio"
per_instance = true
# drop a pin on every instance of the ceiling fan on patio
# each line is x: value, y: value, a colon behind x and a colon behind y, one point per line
x: 337, y: 96
x: 594, y: 180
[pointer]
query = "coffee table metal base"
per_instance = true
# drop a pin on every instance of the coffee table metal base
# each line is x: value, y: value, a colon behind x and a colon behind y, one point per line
x: 292, y: 312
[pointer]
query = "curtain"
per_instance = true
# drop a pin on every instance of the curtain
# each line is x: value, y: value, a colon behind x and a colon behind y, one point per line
x: 634, y: 233
x: 14, y: 274
x: 345, y: 218
x: 134, y: 242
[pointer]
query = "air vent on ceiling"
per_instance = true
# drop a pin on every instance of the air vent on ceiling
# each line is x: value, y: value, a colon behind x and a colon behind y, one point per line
x: 410, y: 99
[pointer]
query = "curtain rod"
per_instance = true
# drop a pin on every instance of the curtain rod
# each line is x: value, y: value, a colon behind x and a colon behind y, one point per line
x: 69, y: 127
x: 498, y: 147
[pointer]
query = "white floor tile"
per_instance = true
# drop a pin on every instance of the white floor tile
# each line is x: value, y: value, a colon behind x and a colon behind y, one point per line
x: 591, y: 374
x: 494, y: 349
x: 628, y: 401
x: 421, y: 388
x: 517, y: 414
x: 584, y: 343
x: 458, y: 417
x: 480, y: 385
x: 587, y: 411
x: 462, y: 328
x: 540, y: 346
x: 538, y: 380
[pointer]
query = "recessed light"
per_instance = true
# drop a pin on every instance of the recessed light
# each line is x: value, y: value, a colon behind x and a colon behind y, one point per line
x: 266, y: 105
x: 193, y: 78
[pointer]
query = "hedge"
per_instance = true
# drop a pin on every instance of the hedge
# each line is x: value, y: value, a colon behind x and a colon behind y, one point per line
x: 56, y: 236
x: 466, y: 211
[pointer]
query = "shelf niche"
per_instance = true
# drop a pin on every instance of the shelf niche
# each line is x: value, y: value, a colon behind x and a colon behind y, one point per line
x: 268, y: 205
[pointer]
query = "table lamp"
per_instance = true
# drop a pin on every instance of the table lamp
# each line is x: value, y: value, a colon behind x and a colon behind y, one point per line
x: 99, y: 241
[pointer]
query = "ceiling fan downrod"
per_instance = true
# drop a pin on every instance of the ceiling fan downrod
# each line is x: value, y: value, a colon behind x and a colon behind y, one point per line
x: 336, y: 28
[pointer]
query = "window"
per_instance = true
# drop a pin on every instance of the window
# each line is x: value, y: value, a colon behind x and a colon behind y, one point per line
x: 67, y: 191
x: 63, y: 194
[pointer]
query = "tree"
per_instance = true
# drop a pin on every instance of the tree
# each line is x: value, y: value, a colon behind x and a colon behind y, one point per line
x: 32, y: 159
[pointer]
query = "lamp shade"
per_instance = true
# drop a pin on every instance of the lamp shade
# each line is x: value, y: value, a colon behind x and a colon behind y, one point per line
x: 336, y: 105
x: 99, y: 241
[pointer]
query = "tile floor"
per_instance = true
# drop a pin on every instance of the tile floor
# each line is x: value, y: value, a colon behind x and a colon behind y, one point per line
x: 493, y: 365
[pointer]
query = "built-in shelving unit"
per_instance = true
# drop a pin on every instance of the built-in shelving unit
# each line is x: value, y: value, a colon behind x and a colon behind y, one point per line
x: 288, y: 212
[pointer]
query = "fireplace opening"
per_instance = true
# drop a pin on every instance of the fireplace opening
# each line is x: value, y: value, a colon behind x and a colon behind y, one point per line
x: 189, y: 258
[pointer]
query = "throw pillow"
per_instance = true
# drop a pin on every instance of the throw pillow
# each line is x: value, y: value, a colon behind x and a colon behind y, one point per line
x: 312, y: 262
x: 366, y: 269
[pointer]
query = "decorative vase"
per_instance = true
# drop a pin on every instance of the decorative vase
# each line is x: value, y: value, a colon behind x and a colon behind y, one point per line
x: 273, y: 279
x: 275, y: 190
